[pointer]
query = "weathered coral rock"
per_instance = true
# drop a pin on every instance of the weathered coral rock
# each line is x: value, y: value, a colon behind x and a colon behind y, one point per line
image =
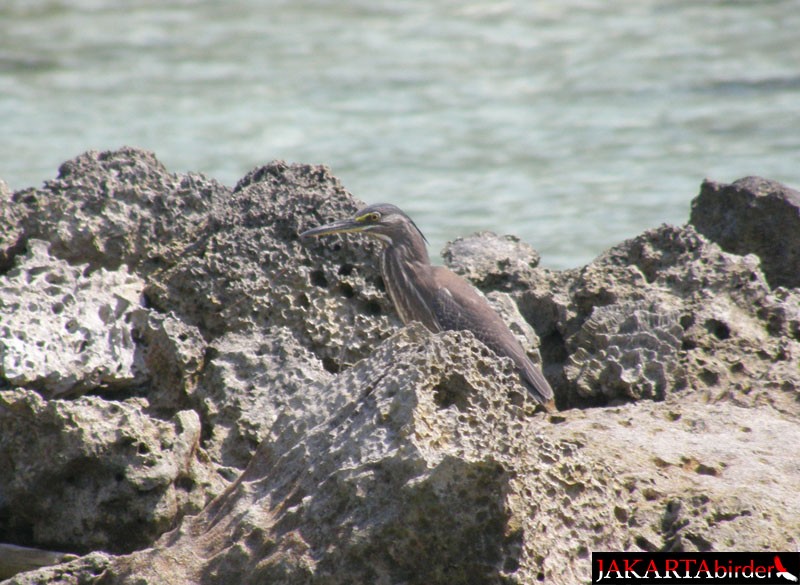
x: 423, y: 472
x: 754, y: 216
x: 257, y: 387
x: 11, y: 233
x: 491, y: 261
x: 372, y: 453
x: 249, y: 271
x: 428, y: 472
x: 172, y: 354
x: 117, y: 207
x: 85, y: 570
x: 91, y: 474
x: 628, y: 350
x: 665, y: 312
x: 62, y: 331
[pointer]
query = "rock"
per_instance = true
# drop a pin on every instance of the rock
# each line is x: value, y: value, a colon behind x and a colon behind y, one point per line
x: 665, y: 312
x: 431, y: 451
x: 424, y: 475
x: 692, y: 482
x: 249, y: 271
x: 173, y: 355
x: 754, y: 216
x: 117, y: 207
x: 628, y: 350
x: 81, y: 571
x: 258, y: 387
x: 491, y: 261
x: 10, y: 229
x: 360, y: 451
x: 62, y: 331
x: 89, y: 474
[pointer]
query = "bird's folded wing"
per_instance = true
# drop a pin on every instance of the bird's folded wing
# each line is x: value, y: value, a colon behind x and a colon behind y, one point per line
x: 458, y: 306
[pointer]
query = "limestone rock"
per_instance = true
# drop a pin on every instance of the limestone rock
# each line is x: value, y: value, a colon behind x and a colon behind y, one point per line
x: 489, y: 260
x: 691, y: 479
x: 117, y: 207
x: 82, y: 571
x: 374, y: 453
x: 754, y: 216
x: 628, y: 350
x: 256, y: 387
x: 431, y: 473
x: 665, y: 312
x: 64, y: 332
x: 424, y: 475
x: 89, y: 474
x: 10, y: 228
x: 248, y: 269
x: 172, y: 355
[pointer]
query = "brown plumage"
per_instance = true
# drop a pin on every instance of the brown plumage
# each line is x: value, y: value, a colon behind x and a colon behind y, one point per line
x: 433, y: 295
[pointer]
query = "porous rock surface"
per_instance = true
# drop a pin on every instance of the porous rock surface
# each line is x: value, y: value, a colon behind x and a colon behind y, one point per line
x: 91, y: 474
x: 61, y: 330
x: 272, y: 423
x: 754, y: 216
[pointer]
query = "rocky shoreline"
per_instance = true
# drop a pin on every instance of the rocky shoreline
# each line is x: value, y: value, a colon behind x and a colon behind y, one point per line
x: 189, y: 394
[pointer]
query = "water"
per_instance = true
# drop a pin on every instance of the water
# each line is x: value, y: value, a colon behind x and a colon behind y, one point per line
x: 571, y: 123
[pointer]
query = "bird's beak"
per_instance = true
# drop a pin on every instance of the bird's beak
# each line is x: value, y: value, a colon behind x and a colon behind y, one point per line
x: 343, y: 226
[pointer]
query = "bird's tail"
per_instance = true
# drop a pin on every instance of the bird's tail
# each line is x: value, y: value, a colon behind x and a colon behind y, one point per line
x: 537, y: 384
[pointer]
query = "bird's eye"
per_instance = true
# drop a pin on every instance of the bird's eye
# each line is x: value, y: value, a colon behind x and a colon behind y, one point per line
x: 371, y: 217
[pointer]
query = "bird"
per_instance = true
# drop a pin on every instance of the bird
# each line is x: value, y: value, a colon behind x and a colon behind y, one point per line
x: 434, y: 295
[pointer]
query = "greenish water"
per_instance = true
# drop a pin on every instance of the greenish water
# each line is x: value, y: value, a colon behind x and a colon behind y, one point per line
x: 573, y: 123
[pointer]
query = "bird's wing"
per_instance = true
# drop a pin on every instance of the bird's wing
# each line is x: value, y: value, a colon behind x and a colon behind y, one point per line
x: 458, y: 306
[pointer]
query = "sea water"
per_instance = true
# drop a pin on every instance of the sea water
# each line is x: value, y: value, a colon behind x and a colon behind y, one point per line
x: 572, y: 124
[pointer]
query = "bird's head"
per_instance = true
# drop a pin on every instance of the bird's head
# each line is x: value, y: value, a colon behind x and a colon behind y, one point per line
x: 384, y: 221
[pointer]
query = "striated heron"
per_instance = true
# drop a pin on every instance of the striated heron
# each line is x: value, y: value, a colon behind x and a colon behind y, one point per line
x: 433, y: 295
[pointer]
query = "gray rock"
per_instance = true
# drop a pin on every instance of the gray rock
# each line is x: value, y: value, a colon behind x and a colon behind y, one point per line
x: 665, y: 312
x: 491, y: 261
x: 63, y: 331
x: 248, y: 270
x: 424, y: 475
x: 431, y: 451
x: 754, y: 216
x: 85, y: 570
x: 11, y: 232
x: 117, y: 207
x: 89, y: 474
x: 256, y: 387
x: 172, y: 355
x: 628, y: 350
x: 374, y: 453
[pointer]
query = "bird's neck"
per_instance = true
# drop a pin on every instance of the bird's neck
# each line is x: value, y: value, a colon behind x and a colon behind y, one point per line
x: 414, y: 252
x: 397, y: 268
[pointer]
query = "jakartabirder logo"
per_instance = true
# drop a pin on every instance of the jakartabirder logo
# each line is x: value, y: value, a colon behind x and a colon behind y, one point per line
x: 695, y: 567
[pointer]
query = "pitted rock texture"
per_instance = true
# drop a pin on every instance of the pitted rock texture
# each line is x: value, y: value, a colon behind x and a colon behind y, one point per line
x: 423, y: 472
x: 62, y: 331
x: 276, y: 424
x: 493, y: 266
x: 628, y: 350
x: 249, y: 271
x: 11, y: 234
x: 92, y: 474
x: 252, y: 386
x: 117, y: 207
x: 173, y: 355
x: 754, y: 216
x: 665, y: 312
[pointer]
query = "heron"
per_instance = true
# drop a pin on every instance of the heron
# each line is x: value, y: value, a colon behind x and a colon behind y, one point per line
x: 434, y: 295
